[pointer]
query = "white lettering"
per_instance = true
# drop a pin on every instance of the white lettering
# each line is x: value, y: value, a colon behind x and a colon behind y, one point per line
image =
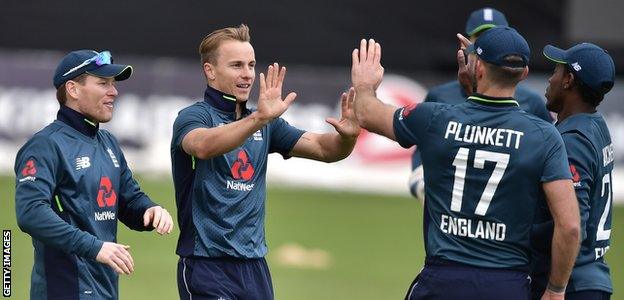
x: 239, y: 186
x: 466, y: 228
x: 104, y: 216
x: 500, y: 137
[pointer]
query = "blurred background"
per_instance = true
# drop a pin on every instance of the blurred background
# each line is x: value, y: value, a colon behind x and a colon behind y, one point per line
x: 347, y: 230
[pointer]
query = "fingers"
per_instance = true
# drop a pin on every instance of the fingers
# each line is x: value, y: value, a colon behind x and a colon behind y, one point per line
x: 120, y: 264
x: 269, y: 77
x: 165, y: 223
x: 262, y: 84
x: 463, y: 41
x: 290, y: 98
x: 147, y: 217
x: 461, y: 59
x: 276, y: 73
x: 344, y: 105
x: 350, y: 98
x: 121, y: 260
x: 333, y: 122
x: 280, y: 79
x: 377, y: 57
x: 370, y: 55
x: 355, y: 57
x: 157, y: 217
x: 362, y: 50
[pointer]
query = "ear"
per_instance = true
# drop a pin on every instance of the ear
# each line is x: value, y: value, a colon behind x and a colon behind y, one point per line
x: 525, y: 73
x: 209, y: 71
x: 479, y: 69
x: 568, y: 80
x: 71, y: 88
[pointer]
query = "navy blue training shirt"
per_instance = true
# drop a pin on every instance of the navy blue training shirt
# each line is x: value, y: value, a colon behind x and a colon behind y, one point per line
x: 72, y: 185
x: 221, y: 200
x: 484, y: 160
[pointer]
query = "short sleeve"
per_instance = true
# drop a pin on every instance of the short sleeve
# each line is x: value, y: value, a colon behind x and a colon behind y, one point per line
x: 411, y: 122
x: 188, y: 119
x: 283, y: 137
x: 556, y: 160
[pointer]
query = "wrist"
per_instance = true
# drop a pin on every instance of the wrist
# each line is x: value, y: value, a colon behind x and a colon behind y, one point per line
x: 555, y: 289
x: 260, y: 118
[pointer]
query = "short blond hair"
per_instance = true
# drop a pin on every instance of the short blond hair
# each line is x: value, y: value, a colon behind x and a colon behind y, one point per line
x: 209, y: 45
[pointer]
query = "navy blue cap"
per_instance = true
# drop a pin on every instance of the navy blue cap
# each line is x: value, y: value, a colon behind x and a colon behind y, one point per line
x: 484, y: 18
x: 589, y: 63
x: 496, y: 44
x: 98, y: 64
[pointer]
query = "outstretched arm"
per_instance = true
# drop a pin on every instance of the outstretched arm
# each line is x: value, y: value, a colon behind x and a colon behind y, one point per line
x: 366, y: 75
x: 331, y: 147
x: 205, y: 143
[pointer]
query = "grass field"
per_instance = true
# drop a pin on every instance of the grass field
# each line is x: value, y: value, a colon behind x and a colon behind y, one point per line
x: 323, y: 245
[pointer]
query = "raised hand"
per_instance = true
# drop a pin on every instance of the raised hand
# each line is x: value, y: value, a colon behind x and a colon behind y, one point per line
x: 465, y: 66
x: 366, y: 69
x: 347, y: 126
x: 117, y: 257
x: 159, y: 218
x: 270, y: 103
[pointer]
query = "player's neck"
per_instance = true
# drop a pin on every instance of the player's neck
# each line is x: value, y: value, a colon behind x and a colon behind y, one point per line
x: 495, y: 91
x: 573, y: 105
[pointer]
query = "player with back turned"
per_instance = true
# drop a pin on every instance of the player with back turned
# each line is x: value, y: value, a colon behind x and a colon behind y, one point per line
x: 488, y: 164
x: 451, y: 92
x: 583, y: 75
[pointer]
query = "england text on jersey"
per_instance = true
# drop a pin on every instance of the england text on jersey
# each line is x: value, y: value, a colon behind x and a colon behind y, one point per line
x: 500, y: 137
x: 478, y: 229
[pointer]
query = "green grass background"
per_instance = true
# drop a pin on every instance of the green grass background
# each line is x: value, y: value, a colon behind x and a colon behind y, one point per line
x: 375, y: 244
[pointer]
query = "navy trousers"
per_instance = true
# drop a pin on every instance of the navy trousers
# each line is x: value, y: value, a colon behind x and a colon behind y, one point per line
x: 453, y: 281
x: 224, y: 279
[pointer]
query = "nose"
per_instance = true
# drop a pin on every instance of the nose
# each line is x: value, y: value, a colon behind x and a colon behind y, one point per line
x: 112, y: 91
x: 248, y: 72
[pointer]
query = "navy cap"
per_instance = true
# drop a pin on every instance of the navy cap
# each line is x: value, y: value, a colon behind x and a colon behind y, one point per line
x: 590, y: 63
x: 494, y: 45
x: 483, y: 19
x: 91, y: 62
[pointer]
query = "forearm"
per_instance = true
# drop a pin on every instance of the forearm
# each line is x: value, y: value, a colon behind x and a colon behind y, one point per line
x: 565, y: 247
x: 38, y: 220
x: 211, y: 142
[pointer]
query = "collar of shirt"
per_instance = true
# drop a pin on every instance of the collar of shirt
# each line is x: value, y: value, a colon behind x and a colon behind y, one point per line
x: 492, y: 101
x: 222, y: 101
x: 77, y: 121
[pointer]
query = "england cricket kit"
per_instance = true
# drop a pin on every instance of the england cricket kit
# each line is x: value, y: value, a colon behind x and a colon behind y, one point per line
x: 72, y: 185
x: 221, y: 201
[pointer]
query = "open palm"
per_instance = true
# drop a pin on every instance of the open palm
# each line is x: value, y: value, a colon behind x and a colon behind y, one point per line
x: 270, y: 103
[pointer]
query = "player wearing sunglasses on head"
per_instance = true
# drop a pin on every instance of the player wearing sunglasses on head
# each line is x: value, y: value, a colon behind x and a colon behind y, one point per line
x: 73, y: 184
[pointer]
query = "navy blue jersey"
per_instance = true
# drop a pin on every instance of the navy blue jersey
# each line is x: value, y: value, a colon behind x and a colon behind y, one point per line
x: 590, y: 153
x: 452, y: 93
x: 72, y: 185
x: 221, y: 200
x: 484, y: 162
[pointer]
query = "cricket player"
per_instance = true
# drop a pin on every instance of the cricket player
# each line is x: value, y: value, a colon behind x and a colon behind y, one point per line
x: 583, y: 75
x: 219, y: 154
x: 488, y: 164
x: 478, y: 22
x: 73, y: 184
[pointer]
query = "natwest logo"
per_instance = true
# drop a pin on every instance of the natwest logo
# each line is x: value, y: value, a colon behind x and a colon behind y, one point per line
x: 242, y: 168
x: 106, y: 194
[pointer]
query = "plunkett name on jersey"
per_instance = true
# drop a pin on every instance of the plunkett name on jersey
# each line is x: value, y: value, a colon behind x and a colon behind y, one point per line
x: 500, y: 137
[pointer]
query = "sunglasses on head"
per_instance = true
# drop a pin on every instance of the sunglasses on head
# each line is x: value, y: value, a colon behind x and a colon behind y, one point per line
x: 102, y: 58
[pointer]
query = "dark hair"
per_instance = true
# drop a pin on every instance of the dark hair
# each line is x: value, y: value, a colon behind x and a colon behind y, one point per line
x: 505, y: 76
x: 587, y: 94
x: 61, y: 92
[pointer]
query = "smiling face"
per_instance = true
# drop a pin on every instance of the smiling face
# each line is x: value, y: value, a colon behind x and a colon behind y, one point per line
x: 93, y: 98
x: 233, y: 71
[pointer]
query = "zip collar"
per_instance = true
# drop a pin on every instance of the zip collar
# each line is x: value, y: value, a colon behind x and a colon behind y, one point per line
x: 493, y: 101
x: 77, y: 121
x: 222, y: 101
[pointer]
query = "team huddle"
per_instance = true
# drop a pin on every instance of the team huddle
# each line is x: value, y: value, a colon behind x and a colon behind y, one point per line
x: 515, y: 207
